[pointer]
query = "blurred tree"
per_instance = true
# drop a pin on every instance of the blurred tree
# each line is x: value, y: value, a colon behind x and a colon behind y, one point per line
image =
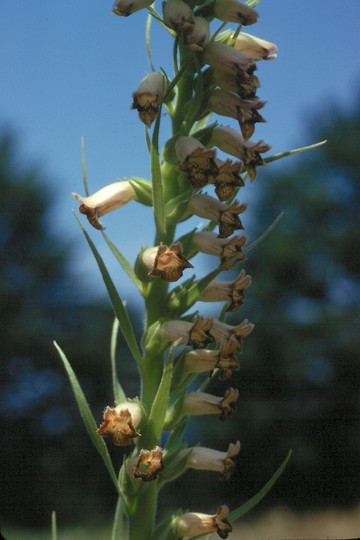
x: 47, y: 461
x: 300, y: 373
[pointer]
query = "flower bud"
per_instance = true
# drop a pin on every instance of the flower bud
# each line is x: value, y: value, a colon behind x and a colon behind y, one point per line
x: 233, y: 11
x: 120, y: 423
x: 124, y: 8
x: 148, y: 97
x: 105, y: 200
x: 165, y: 262
x: 178, y: 15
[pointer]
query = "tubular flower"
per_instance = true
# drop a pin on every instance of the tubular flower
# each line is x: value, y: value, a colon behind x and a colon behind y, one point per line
x: 232, y: 142
x: 197, y: 161
x: 207, y: 459
x: 148, y: 97
x: 225, y: 58
x: 196, y: 37
x: 199, y: 403
x: 105, y: 200
x: 231, y: 291
x: 226, y: 215
x: 242, y: 82
x: 197, y: 333
x: 125, y: 8
x: 225, y: 331
x: 149, y: 464
x: 208, y: 242
x: 196, y: 523
x: 233, y: 11
x: 255, y: 47
x: 224, y: 359
x: 178, y: 15
x: 228, y: 179
x: 168, y: 263
x: 120, y: 423
x: 244, y: 110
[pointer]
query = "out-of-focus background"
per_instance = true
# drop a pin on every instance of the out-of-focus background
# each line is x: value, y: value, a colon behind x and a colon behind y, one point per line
x: 68, y: 71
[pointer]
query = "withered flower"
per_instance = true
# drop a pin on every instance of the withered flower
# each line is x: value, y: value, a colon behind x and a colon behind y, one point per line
x: 231, y: 291
x: 196, y: 161
x: 196, y: 523
x: 149, y: 464
x: 148, y: 97
x: 199, y: 403
x: 166, y: 262
x: 120, y: 423
x: 105, y: 200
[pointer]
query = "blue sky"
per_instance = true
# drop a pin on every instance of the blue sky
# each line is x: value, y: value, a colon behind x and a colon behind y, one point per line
x: 68, y: 70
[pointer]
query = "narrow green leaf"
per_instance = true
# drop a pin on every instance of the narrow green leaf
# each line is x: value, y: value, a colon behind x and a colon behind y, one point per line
x: 88, y: 418
x: 236, y: 514
x: 147, y: 41
x: 119, y: 394
x: 143, y: 190
x: 120, y: 528
x: 158, y: 190
x: 53, y: 526
x: 293, y: 152
x: 158, y: 410
x: 83, y: 166
x: 126, y: 266
x: 118, y: 306
x: 264, y: 234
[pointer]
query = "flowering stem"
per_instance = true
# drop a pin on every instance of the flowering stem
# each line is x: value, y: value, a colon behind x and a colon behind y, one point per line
x: 142, y: 518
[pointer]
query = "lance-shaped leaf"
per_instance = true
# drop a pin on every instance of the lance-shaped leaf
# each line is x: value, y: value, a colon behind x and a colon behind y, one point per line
x: 53, y: 526
x: 123, y: 261
x: 143, y: 190
x: 118, y: 306
x: 88, y: 418
x: 158, y: 190
x: 120, y: 528
x: 293, y: 152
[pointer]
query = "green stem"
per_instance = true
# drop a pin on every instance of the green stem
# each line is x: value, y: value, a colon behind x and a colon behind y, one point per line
x: 142, y: 519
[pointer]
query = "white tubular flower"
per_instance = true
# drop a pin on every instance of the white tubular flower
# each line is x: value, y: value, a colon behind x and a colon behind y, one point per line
x: 208, y: 242
x: 197, y: 333
x: 228, y: 179
x: 148, y: 97
x: 223, y: 331
x: 120, y: 423
x: 199, y: 403
x: 196, y: 161
x: 196, y: 523
x: 165, y: 262
x: 230, y: 291
x: 224, y: 359
x: 207, y: 459
x: 198, y: 35
x: 232, y: 142
x: 226, y: 58
x: 244, y: 110
x: 254, y: 47
x: 226, y: 215
x: 105, y: 200
x: 233, y: 11
x: 178, y: 15
x: 124, y: 8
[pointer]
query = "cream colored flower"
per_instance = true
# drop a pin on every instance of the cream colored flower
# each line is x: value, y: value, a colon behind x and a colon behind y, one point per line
x: 196, y: 523
x: 208, y: 242
x: 208, y: 459
x: 223, y: 359
x: 165, y: 262
x: 254, y: 47
x: 228, y: 179
x: 105, y: 200
x: 120, y: 423
x: 230, y: 291
x: 199, y: 403
x: 196, y: 37
x: 148, y: 97
x: 178, y: 15
x: 225, y: 58
x: 125, y: 8
x: 226, y: 215
x: 222, y: 331
x: 197, y: 333
x: 196, y: 161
